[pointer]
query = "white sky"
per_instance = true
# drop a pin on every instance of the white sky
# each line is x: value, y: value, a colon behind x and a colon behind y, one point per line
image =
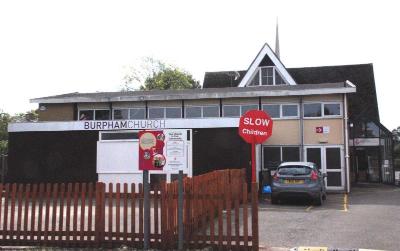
x: 54, y: 47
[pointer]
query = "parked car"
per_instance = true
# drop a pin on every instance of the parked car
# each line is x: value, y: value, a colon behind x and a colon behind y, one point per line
x: 298, y: 179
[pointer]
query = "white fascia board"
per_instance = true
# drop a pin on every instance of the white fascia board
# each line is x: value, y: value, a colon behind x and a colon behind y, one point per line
x: 266, y: 50
x: 112, y: 125
x: 349, y: 83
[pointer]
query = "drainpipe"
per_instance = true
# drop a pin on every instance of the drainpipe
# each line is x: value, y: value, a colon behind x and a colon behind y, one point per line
x: 346, y: 144
x: 301, y: 130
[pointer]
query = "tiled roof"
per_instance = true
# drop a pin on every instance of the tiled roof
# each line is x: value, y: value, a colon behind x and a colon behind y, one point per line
x: 361, y: 104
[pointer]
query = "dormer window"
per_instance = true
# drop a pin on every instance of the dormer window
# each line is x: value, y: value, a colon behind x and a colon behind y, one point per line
x: 267, y: 75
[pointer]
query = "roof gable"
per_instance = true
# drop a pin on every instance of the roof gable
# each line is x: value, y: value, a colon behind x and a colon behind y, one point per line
x: 266, y: 56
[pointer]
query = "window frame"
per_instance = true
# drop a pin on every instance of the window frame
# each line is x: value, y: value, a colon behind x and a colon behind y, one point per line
x: 129, y: 112
x: 240, y: 109
x: 290, y: 117
x: 281, y: 110
x: 164, y: 111
x: 94, y: 113
x: 274, y: 72
x: 322, y: 106
x: 332, y: 103
x: 201, y: 111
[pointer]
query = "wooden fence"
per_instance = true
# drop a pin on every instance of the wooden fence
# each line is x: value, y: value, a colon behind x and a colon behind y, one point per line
x: 216, y: 213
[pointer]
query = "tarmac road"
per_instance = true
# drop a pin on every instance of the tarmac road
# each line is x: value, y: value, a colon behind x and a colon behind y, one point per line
x: 371, y: 219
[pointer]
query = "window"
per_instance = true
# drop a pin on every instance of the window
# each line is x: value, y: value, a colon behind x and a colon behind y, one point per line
x: 290, y: 153
x: 102, y: 114
x: 294, y: 170
x: 193, y: 112
x: 165, y: 112
x: 201, y: 111
x: 237, y: 110
x: 156, y: 113
x: 272, y: 157
x: 231, y: 110
x: 290, y: 111
x: 173, y: 112
x: 256, y: 79
x: 137, y: 113
x: 121, y: 114
x: 267, y: 75
x: 371, y: 130
x: 132, y: 113
x: 274, y: 111
x: 322, y: 110
x: 278, y: 79
x: 362, y: 129
x: 282, y: 110
x: 94, y: 114
x: 332, y: 109
x: 210, y: 111
x: 312, y: 110
x: 245, y: 108
x: 86, y: 115
x: 275, y: 155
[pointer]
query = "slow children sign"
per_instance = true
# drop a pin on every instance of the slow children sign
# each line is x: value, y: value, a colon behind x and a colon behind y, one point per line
x: 255, y: 127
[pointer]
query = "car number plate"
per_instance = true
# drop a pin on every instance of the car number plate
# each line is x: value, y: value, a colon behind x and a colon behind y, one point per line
x: 293, y: 181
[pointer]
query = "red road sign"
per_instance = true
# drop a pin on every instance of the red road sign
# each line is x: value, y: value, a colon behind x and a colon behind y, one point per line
x: 255, y: 126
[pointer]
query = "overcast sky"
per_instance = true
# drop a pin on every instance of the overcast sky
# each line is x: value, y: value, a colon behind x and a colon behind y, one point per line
x: 54, y: 47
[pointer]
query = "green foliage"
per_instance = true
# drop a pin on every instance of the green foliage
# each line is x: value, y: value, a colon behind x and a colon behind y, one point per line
x: 5, y: 118
x: 396, y: 137
x: 396, y: 134
x: 170, y: 78
x: 29, y: 116
x: 157, y: 75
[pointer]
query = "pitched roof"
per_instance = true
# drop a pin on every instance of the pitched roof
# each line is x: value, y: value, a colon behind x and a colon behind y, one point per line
x: 361, y: 104
x: 266, y: 54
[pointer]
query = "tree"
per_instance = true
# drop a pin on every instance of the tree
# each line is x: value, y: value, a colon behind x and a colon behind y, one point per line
x: 29, y: 116
x: 5, y: 118
x: 396, y: 134
x: 157, y: 75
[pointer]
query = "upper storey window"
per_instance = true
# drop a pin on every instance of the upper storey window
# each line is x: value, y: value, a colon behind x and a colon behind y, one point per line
x: 267, y: 75
x: 94, y: 114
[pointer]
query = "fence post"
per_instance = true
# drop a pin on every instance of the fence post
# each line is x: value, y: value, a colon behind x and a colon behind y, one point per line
x: 100, y: 208
x: 254, y: 215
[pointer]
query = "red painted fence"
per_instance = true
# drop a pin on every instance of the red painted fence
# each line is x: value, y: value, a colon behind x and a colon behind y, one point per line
x: 216, y: 213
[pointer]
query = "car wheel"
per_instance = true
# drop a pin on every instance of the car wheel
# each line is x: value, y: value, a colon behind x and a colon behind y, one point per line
x: 318, y: 200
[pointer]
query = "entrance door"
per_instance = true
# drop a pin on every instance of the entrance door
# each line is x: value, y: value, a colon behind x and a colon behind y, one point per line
x: 329, y: 160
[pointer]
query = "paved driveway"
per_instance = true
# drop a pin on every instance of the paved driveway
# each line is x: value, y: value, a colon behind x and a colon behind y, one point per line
x: 370, y: 219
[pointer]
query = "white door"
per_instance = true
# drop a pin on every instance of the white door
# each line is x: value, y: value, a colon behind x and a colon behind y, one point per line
x: 330, y: 160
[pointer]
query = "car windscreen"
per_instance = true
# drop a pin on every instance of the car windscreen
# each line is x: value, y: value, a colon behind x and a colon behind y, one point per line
x: 294, y: 170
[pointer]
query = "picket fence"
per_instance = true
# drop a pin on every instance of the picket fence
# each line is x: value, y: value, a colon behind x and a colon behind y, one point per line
x: 215, y: 214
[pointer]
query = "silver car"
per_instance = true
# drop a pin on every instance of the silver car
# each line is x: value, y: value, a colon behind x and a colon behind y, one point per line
x: 298, y: 179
